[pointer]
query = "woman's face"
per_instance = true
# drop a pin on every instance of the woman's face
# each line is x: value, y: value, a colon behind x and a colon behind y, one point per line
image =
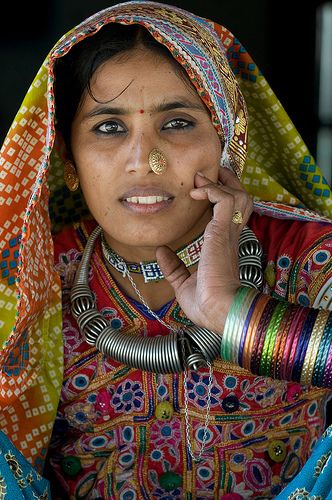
x: 144, y: 104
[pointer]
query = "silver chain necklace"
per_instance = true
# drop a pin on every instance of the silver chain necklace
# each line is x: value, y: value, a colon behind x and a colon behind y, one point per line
x: 161, y: 354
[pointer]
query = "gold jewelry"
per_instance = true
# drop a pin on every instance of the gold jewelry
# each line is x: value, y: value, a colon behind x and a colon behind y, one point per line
x: 157, y: 161
x: 70, y: 176
x: 237, y: 217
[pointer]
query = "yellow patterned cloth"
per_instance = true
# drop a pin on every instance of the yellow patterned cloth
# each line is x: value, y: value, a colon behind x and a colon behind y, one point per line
x: 34, y: 200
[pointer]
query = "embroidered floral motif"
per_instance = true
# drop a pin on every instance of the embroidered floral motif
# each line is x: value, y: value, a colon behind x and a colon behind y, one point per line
x: 80, y: 415
x: 66, y: 268
x: 128, y: 397
x: 283, y: 267
x: 166, y: 433
x: 72, y: 340
x: 240, y: 123
x: 113, y: 317
x: 115, y: 423
x: 198, y: 390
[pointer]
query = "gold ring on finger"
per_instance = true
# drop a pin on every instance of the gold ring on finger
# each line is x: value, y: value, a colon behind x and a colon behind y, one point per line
x: 237, y: 217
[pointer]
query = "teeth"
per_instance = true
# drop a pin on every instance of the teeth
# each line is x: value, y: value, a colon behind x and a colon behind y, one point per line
x: 146, y: 200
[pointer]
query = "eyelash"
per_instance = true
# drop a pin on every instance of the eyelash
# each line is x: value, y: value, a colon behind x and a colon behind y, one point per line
x: 187, y: 124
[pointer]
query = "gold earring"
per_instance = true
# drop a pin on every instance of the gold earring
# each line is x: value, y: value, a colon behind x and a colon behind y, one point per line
x: 70, y: 176
x: 157, y: 161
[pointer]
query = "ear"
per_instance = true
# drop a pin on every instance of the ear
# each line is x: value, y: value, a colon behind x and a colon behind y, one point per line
x: 61, y: 147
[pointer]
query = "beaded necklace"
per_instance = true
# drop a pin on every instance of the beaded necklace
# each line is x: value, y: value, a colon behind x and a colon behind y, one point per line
x: 151, y: 271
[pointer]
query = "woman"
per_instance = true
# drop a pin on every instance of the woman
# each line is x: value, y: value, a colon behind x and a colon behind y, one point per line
x: 176, y: 349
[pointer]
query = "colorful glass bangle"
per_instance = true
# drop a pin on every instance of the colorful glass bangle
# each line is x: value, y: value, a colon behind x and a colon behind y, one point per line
x: 270, y: 336
x: 249, y: 319
x: 327, y: 377
x: 252, y: 328
x: 282, y: 337
x: 320, y: 361
x: 230, y: 323
x: 289, y: 342
x: 238, y: 324
x: 303, y: 344
x: 275, y: 339
x: 313, y: 346
x: 292, y: 344
x: 260, y: 335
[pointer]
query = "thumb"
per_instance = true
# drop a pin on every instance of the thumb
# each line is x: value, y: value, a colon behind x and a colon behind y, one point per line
x: 172, y: 267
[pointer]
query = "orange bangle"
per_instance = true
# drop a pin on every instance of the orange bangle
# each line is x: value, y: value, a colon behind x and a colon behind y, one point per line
x: 255, y: 319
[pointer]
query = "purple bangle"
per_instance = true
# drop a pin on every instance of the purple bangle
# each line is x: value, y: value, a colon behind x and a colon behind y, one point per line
x: 290, y: 344
x: 303, y: 344
x: 245, y: 328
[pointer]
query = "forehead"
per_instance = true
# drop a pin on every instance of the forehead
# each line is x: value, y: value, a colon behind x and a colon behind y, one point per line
x: 128, y: 74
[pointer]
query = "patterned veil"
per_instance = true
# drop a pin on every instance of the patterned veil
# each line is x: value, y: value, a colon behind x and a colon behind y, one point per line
x: 261, y: 145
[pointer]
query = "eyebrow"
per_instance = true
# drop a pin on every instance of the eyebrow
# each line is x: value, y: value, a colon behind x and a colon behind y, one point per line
x: 158, y: 108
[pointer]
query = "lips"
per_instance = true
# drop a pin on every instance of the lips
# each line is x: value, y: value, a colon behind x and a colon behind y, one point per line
x: 146, y: 191
x: 144, y: 200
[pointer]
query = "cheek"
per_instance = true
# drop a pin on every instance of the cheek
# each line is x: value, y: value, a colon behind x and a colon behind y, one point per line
x: 205, y: 157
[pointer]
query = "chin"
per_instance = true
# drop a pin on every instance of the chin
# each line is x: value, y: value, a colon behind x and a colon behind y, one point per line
x: 144, y: 238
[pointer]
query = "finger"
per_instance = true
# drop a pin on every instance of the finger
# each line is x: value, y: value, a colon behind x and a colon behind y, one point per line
x: 228, y: 178
x: 172, y: 267
x: 216, y: 193
x: 201, y: 180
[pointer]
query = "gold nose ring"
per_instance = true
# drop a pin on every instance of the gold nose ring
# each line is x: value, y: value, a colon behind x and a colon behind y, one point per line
x: 157, y: 161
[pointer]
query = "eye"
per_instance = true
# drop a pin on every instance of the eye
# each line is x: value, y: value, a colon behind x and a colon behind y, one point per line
x: 178, y: 124
x: 110, y: 128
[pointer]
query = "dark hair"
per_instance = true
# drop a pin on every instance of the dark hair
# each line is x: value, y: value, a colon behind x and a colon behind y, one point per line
x: 74, y: 71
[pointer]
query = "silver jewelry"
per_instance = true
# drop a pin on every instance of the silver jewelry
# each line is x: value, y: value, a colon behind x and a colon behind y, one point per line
x: 158, y: 354
x: 199, y: 346
x: 249, y: 260
x: 189, y: 254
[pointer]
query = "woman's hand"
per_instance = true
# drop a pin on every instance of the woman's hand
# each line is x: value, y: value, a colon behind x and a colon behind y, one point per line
x: 206, y: 295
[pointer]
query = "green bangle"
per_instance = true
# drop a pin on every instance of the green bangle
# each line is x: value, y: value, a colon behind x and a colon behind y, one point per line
x: 241, y: 321
x: 270, y: 338
x: 231, y: 323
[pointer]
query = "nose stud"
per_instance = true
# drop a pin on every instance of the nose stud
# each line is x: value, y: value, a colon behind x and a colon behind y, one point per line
x: 157, y: 161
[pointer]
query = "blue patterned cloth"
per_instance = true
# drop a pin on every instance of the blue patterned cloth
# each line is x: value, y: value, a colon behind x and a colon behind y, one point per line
x: 314, y: 481
x: 18, y: 479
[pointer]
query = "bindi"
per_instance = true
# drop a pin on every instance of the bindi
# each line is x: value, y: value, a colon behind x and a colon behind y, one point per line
x: 141, y: 111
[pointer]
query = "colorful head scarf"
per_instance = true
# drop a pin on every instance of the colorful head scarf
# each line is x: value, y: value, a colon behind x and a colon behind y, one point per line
x: 275, y: 165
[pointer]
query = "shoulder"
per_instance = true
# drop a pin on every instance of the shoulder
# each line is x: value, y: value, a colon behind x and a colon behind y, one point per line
x: 296, y: 257
x: 296, y: 235
x: 69, y: 244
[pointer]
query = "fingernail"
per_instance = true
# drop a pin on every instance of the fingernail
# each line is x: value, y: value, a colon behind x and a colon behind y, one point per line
x: 200, y: 173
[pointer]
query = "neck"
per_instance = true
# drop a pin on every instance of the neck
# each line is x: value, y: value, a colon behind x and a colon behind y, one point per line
x: 157, y: 293
x: 145, y: 253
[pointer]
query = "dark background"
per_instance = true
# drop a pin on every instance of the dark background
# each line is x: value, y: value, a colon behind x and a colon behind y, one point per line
x: 280, y: 36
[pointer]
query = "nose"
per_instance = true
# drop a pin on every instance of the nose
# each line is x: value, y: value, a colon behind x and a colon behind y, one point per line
x: 138, y: 157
